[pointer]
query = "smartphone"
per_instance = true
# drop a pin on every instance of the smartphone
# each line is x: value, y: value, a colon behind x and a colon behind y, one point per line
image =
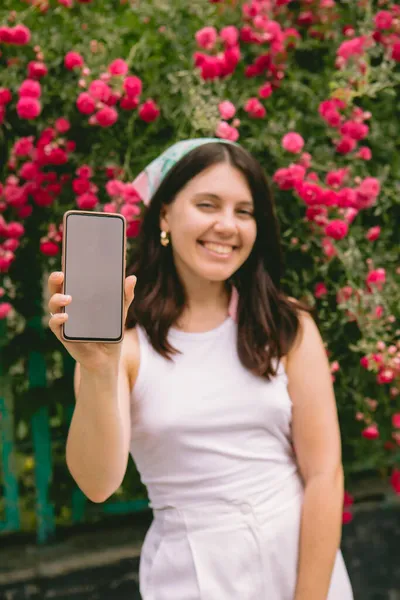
x: 94, y: 262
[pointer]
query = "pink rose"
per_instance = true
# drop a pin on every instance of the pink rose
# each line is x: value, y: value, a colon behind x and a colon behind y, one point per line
x: 85, y: 103
x: 129, y: 103
x: 206, y: 38
x: 130, y: 211
x: 395, y: 480
x: 226, y: 109
x: 30, y: 88
x: 396, y: 51
x: 373, y: 233
x: 376, y: 278
x: 149, y: 111
x: 107, y: 116
x: 385, y: 376
x: 352, y: 48
x: 5, y: 96
x: 87, y: 201
x: 15, y: 230
x: 37, y: 69
x: 255, y: 109
x: 288, y: 178
x: 118, y: 67
x: 99, y: 90
x: 346, y: 145
x: 310, y: 193
x: 320, y: 290
x: 227, y: 132
x: 396, y: 420
x: 5, y: 307
x: 23, y: 146
x: 364, y: 153
x: 229, y: 35
x: 49, y: 248
x: 292, y: 142
x: 73, y: 60
x: 85, y: 172
x: 336, y: 178
x: 210, y: 67
x: 20, y: 35
x: 367, y: 192
x: 115, y: 187
x: 337, y: 229
x: 62, y: 125
x: 132, y: 86
x: 81, y: 186
x: 265, y: 90
x: 371, y: 432
x: 133, y: 228
x: 28, y: 108
x: 383, y: 20
x: 353, y: 129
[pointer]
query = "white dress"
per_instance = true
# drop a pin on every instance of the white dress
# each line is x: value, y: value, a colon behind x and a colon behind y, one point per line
x: 212, y: 444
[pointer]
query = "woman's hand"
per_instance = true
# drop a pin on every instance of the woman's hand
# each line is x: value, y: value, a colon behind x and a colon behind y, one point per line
x: 91, y: 355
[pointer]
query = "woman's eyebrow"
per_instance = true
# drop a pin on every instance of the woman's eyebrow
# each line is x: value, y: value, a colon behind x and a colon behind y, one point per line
x: 216, y: 197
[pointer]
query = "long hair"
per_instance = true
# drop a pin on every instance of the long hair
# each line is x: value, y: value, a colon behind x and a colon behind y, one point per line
x: 268, y: 321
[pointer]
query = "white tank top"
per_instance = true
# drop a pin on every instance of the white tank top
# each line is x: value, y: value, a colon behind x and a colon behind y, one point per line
x: 205, y: 429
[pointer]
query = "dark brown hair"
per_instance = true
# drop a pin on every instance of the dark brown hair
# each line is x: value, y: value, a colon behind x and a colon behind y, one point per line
x: 268, y: 321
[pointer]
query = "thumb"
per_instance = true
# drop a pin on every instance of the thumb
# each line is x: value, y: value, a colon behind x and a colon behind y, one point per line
x: 130, y: 283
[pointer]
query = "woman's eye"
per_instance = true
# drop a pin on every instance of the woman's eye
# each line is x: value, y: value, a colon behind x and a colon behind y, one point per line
x: 248, y: 213
x: 206, y: 205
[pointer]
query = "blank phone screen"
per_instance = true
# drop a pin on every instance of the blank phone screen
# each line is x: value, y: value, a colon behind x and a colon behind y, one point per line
x: 94, y: 265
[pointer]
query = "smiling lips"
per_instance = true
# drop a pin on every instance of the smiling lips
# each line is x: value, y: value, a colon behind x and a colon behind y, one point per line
x: 218, y: 248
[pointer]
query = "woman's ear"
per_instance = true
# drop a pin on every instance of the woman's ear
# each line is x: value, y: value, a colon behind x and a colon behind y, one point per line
x: 164, y: 219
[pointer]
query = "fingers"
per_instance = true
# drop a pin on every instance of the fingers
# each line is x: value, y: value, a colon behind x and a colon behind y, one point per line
x: 55, y: 283
x: 57, y: 302
x: 130, y: 284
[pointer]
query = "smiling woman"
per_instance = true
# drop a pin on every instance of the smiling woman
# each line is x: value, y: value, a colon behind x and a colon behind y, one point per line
x: 234, y: 428
x: 216, y: 209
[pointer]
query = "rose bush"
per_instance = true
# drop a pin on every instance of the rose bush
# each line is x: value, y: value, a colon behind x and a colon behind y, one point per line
x: 310, y: 87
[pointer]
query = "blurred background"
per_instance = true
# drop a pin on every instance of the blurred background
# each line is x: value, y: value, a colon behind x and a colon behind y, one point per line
x: 93, y: 90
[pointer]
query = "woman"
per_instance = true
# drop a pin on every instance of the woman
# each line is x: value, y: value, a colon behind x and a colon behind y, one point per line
x: 221, y: 391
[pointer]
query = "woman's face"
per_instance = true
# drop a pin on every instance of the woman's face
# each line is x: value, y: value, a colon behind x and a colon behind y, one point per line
x: 211, y: 223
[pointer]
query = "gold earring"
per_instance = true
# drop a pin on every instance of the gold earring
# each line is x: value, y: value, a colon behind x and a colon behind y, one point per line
x: 164, y: 238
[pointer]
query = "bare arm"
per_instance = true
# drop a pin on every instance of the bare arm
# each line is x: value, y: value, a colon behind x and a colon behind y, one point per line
x: 316, y: 439
x: 98, y: 440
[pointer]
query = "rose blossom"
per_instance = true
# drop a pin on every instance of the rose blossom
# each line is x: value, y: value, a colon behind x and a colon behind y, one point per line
x: 30, y: 88
x: 118, y: 67
x: 373, y: 233
x: 383, y: 20
x: 320, y: 290
x: 229, y: 35
x: 132, y: 86
x: 85, y: 103
x: 5, y: 309
x: 292, y: 142
x: 371, y: 432
x: 28, y: 108
x: 376, y: 278
x: 255, y: 109
x: 337, y: 229
x: 72, y: 60
x: 265, y: 90
x: 149, y: 111
x: 206, y: 38
x: 87, y: 201
x: 364, y: 153
x: 226, y: 109
x: 37, y: 70
x: 227, y: 132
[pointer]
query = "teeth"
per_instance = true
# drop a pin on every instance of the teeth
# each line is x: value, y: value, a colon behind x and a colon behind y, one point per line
x: 218, y: 248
